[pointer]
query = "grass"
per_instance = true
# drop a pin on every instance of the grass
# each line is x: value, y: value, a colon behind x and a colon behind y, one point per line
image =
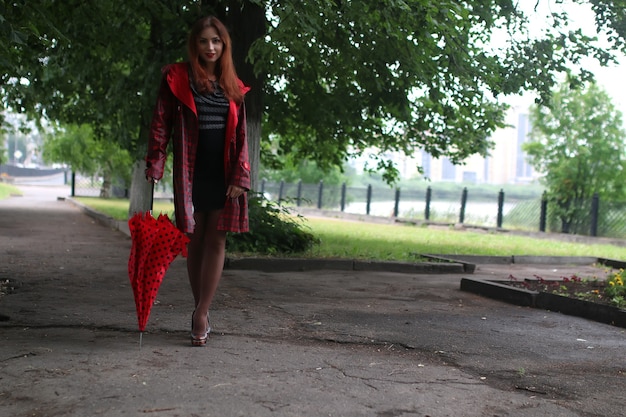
x: 362, y: 240
x: 7, y: 190
x: 345, y: 239
x: 118, y: 207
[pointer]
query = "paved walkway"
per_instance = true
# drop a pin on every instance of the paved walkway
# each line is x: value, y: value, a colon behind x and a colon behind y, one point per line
x: 317, y: 343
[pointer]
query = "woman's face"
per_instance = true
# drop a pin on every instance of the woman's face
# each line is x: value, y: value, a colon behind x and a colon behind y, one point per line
x: 210, y: 46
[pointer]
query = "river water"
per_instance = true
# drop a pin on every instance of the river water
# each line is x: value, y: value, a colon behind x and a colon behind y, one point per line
x: 475, y: 212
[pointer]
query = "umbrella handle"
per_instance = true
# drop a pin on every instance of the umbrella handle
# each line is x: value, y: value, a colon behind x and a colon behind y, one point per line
x: 152, y: 197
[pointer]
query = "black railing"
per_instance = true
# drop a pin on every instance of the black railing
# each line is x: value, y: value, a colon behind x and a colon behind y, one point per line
x: 429, y: 205
x: 433, y: 206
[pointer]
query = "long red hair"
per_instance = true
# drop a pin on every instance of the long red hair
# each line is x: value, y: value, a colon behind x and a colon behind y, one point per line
x: 225, y: 68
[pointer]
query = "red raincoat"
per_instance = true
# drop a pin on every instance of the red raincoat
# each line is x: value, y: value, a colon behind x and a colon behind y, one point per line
x: 175, y: 117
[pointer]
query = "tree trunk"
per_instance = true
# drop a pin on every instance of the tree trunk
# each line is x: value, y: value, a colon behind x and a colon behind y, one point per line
x: 254, y: 149
x: 105, y: 190
x: 140, y: 190
x: 248, y: 25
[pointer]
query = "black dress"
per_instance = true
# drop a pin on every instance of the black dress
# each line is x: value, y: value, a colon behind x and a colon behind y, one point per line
x: 209, y: 182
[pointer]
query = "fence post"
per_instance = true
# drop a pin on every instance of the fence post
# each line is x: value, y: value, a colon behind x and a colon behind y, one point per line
x: 299, y: 193
x: 369, y: 199
x: 463, y: 204
x: 500, y: 207
x: 263, y: 188
x: 319, y: 194
x: 73, y: 193
x: 595, y: 208
x: 544, y: 212
x: 429, y: 195
x: 343, y: 196
x: 280, y: 192
x: 396, y: 206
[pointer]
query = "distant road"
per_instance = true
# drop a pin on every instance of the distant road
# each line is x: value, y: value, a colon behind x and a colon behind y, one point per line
x: 41, y: 189
x: 55, y: 179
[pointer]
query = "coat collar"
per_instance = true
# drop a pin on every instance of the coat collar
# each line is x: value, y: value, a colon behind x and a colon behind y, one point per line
x: 178, y: 80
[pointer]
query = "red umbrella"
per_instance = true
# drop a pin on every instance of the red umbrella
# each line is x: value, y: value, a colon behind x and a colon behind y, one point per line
x: 155, y: 244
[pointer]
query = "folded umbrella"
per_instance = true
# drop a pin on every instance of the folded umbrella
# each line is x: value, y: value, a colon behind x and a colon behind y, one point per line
x: 155, y: 245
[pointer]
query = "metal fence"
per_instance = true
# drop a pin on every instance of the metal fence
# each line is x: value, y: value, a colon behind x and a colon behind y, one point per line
x: 592, y: 217
x: 91, y: 186
x: 430, y: 205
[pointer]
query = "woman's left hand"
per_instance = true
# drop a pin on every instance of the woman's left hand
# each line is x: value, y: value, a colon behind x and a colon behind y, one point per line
x: 234, y: 192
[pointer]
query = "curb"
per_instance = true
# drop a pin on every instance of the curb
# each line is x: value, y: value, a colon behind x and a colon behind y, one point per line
x: 527, y: 260
x: 103, y: 219
x: 545, y: 301
x: 503, y: 292
x: 444, y: 264
x: 305, y: 264
x: 298, y: 264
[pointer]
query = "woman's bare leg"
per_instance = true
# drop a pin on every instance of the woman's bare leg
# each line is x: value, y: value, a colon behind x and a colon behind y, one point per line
x: 194, y: 257
x: 205, y: 263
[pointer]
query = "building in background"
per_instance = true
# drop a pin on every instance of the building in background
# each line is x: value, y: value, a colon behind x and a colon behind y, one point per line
x: 506, y: 164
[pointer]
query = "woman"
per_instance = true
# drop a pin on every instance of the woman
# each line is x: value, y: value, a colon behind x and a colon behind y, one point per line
x: 200, y: 107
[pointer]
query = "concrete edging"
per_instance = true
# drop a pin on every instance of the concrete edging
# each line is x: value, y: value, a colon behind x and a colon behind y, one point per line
x: 299, y: 264
x: 545, y: 301
x: 305, y: 264
x: 444, y: 264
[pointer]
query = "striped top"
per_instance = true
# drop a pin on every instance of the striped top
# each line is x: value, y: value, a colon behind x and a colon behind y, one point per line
x: 212, y: 108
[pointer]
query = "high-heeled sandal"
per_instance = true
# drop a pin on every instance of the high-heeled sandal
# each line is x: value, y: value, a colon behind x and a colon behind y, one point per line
x: 200, y: 340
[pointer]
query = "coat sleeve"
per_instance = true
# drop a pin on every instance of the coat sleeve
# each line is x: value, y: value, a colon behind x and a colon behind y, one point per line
x: 240, y: 174
x: 160, y: 130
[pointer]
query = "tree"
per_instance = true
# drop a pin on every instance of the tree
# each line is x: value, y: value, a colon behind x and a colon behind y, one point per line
x: 305, y: 171
x: 3, y: 156
x: 578, y: 143
x: 97, y: 63
x: 330, y: 78
x: 76, y: 146
x: 399, y: 75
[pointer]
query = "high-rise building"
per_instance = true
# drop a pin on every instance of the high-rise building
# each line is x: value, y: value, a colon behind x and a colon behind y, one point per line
x: 505, y: 164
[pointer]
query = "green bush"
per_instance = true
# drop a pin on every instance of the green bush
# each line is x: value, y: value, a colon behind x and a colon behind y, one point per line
x: 273, y: 230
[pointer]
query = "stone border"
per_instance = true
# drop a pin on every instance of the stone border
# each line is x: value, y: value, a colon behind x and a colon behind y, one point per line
x: 306, y: 264
x: 442, y: 264
x: 300, y: 264
x: 545, y: 301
